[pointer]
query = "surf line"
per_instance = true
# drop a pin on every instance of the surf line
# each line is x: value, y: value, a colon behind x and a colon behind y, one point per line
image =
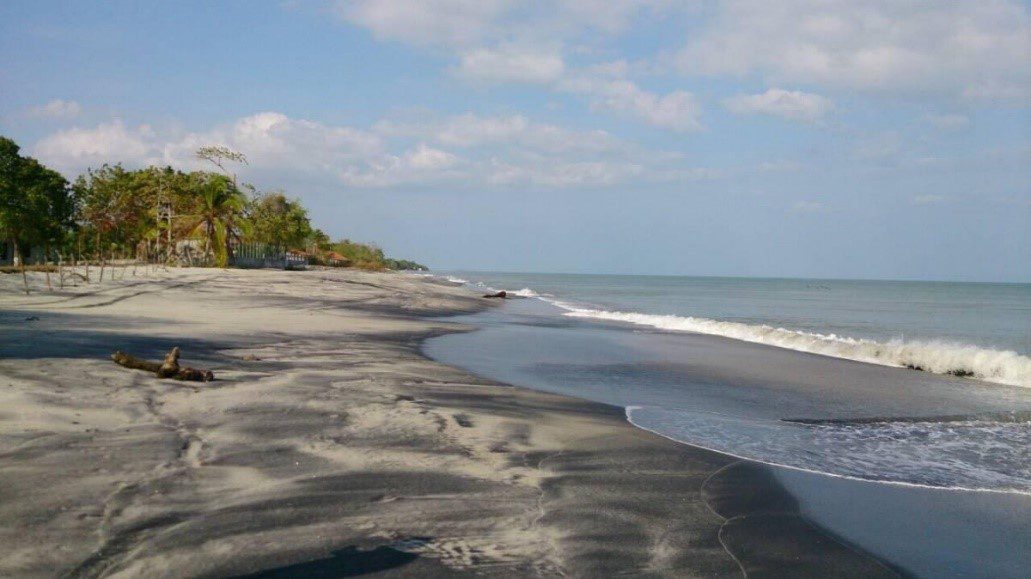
x: 629, y: 417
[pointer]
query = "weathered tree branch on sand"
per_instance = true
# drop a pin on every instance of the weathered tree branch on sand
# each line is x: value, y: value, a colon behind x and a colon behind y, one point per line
x: 169, y: 368
x: 123, y: 359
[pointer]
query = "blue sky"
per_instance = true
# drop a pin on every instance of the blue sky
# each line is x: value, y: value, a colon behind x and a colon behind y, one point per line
x: 809, y: 138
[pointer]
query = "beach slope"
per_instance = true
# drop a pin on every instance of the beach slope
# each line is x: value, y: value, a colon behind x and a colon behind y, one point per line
x: 329, y: 446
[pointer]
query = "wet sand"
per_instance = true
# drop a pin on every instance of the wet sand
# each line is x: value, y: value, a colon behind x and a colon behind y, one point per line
x: 330, y: 446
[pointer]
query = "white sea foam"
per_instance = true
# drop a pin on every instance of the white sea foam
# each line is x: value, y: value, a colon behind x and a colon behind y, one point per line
x: 936, y: 356
x: 979, y: 454
x: 999, y: 366
x: 454, y: 279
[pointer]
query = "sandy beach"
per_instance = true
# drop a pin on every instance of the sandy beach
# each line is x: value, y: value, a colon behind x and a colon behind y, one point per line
x: 328, y: 445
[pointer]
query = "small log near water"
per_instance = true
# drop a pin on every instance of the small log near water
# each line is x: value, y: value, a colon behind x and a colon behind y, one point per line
x: 501, y: 294
x: 168, y: 368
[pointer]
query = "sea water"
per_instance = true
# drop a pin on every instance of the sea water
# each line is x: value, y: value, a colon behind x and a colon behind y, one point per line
x: 917, y: 385
x: 980, y: 329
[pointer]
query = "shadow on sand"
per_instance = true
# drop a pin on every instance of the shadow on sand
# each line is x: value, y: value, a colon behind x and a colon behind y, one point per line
x: 347, y: 562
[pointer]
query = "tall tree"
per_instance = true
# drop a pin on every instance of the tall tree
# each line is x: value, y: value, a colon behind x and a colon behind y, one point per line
x: 10, y: 167
x: 319, y: 239
x: 116, y: 207
x: 219, y: 156
x: 277, y: 221
x: 219, y: 207
x: 36, y: 204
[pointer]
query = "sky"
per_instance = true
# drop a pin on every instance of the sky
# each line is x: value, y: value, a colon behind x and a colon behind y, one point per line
x: 880, y: 139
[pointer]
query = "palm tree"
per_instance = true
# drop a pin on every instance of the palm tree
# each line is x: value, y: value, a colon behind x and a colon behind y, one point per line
x: 219, y: 204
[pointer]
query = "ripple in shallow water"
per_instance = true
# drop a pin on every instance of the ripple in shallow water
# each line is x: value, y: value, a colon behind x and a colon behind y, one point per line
x: 982, y: 453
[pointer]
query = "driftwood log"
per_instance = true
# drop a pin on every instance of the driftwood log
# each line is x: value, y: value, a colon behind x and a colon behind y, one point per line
x: 501, y: 294
x: 169, y: 368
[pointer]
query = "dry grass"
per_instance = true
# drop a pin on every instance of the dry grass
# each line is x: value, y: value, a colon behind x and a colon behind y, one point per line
x: 17, y: 268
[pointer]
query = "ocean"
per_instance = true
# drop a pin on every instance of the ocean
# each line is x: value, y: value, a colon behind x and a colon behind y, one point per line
x: 862, y: 394
x: 965, y: 328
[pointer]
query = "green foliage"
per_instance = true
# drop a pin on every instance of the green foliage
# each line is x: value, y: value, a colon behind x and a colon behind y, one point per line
x: 278, y: 222
x: 404, y: 265
x: 364, y: 256
x: 219, y: 206
x: 113, y: 209
x: 319, y: 238
x: 115, y: 206
x: 118, y: 208
x: 36, y: 205
x: 360, y: 255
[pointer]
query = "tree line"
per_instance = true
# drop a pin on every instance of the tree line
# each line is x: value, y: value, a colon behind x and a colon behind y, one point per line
x: 158, y: 214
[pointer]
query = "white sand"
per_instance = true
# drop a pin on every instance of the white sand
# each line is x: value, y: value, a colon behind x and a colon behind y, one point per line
x: 325, y: 429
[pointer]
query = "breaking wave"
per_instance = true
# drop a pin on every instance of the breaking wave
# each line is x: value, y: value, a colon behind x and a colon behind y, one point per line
x: 939, y: 357
x: 935, y: 356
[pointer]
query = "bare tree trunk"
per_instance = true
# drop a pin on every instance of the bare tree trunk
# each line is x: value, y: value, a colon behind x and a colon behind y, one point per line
x: 100, y: 257
x: 46, y: 266
x: 60, y: 269
x: 21, y: 261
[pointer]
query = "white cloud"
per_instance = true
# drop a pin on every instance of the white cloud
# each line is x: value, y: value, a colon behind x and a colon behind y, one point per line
x: 461, y: 131
x: 465, y: 150
x: 56, y: 109
x: 511, y: 63
x: 677, y: 110
x: 426, y: 22
x: 469, y: 130
x: 420, y: 166
x: 504, y: 41
x: 610, y: 16
x: 967, y: 49
x: 428, y: 158
x: 947, y: 122
x: 791, y: 105
x: 76, y: 149
x: 458, y: 24
x: 563, y: 173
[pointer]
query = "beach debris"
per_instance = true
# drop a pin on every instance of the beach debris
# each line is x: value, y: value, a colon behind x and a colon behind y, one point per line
x: 501, y: 294
x: 960, y: 372
x: 168, y: 368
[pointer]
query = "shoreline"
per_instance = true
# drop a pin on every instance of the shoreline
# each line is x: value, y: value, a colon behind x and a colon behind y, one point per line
x: 995, y: 363
x: 332, y: 441
x: 810, y: 471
